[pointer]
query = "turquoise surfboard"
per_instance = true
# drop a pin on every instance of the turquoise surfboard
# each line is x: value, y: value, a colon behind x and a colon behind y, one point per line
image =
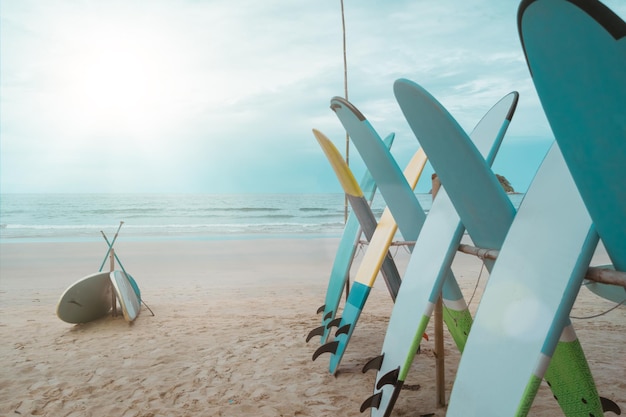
x: 437, y: 244
x: 487, y: 213
x: 525, y: 306
x: 409, y: 216
x: 371, y: 262
x: 343, y: 258
x: 576, y: 53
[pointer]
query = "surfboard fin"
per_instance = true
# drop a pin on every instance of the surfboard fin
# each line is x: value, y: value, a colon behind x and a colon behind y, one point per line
x: 328, y: 315
x: 609, y: 405
x: 390, y: 378
x: 372, y: 402
x: 343, y: 329
x: 330, y: 347
x: 333, y: 323
x: 374, y: 363
x: 321, y: 309
x: 318, y: 331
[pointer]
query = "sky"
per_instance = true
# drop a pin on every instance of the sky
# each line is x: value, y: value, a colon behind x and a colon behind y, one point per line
x: 221, y: 96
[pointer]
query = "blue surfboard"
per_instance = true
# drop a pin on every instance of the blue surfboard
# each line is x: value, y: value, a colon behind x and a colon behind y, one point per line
x: 487, y: 214
x: 343, y: 259
x: 437, y: 244
x: 409, y: 216
x: 576, y: 53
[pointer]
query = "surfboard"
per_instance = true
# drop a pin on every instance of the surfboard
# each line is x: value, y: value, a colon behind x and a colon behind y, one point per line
x: 487, y: 213
x: 437, y: 244
x: 576, y: 53
x: 522, y: 315
x: 343, y: 259
x: 405, y: 210
x: 366, y: 219
x: 371, y: 264
x: 86, y: 300
x: 609, y: 292
x: 125, y: 293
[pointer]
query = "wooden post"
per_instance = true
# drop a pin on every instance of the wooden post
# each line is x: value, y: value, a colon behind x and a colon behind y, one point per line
x: 113, y: 298
x: 440, y: 368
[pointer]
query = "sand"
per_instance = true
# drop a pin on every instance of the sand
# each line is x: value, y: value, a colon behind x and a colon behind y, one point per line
x: 228, y: 335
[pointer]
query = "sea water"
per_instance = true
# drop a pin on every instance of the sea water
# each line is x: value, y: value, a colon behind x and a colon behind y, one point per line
x: 82, y: 217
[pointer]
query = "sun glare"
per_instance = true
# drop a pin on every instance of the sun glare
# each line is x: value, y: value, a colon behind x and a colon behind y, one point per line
x: 118, y: 82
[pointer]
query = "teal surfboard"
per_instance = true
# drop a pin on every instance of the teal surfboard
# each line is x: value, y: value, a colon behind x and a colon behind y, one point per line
x: 437, y: 244
x: 373, y: 259
x: 343, y: 259
x: 409, y: 216
x: 487, y: 213
x: 576, y: 53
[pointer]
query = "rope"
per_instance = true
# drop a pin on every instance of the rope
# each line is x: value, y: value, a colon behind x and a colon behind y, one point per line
x: 599, y: 314
x: 476, y: 286
x: 148, y: 307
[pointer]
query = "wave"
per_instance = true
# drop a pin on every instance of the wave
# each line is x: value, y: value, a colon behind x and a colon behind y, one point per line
x: 14, y: 232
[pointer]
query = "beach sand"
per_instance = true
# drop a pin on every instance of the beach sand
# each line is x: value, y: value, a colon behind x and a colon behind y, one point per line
x: 228, y: 335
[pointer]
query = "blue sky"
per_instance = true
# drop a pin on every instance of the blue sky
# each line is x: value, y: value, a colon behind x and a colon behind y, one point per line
x: 221, y: 96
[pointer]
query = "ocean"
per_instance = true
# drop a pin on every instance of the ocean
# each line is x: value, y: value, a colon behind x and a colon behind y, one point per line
x: 81, y: 217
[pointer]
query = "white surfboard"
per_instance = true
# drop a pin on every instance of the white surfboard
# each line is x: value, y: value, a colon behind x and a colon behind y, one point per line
x: 527, y: 300
x: 86, y: 300
x: 126, y: 295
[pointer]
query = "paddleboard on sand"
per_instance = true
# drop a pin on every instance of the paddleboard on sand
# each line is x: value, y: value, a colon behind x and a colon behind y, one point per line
x: 397, y: 190
x: 487, y: 213
x: 576, y: 53
x: 86, y: 300
x: 436, y: 246
x: 343, y: 259
x: 126, y: 295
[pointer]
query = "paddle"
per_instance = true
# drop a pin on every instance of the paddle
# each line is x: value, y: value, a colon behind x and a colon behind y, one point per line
x: 110, y: 246
x: 130, y: 279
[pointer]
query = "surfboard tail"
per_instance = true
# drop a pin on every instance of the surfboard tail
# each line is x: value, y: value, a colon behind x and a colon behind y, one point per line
x: 345, y: 326
x: 349, y: 319
x: 456, y: 314
x: 571, y: 381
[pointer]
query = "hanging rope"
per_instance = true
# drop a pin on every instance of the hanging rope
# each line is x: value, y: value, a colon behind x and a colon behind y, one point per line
x: 482, y: 268
x: 599, y: 314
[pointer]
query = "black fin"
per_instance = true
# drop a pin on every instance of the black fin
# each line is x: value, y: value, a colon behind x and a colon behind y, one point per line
x: 374, y: 363
x: 343, y: 329
x: 328, y: 347
x: 318, y: 331
x: 394, y: 397
x: 390, y: 377
x: 328, y: 315
x: 372, y: 402
x: 321, y: 309
x: 333, y: 323
x: 609, y: 405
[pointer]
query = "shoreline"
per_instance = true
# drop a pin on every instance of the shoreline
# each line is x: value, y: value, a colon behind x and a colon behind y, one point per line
x: 170, y: 238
